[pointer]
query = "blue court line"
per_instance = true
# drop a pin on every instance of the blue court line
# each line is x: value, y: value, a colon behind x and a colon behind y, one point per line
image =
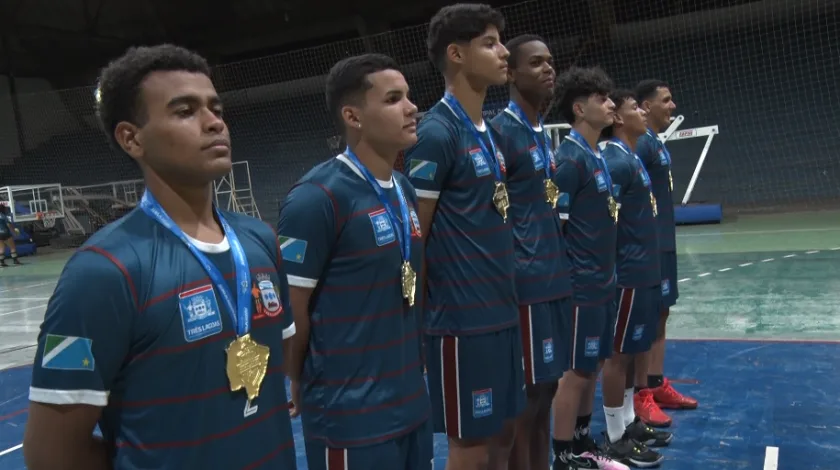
x: 753, y: 395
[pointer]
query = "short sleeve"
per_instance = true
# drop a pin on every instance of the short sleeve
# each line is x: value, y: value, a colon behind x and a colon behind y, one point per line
x: 86, y: 333
x: 568, y: 181
x: 428, y: 162
x: 647, y: 152
x: 306, y: 232
x: 283, y: 286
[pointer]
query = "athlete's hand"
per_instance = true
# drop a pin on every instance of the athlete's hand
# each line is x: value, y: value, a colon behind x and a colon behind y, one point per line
x: 294, y: 410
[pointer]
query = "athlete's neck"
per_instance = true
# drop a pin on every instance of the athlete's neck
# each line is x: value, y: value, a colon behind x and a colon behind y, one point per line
x: 589, y: 133
x: 190, y: 207
x: 627, y: 139
x: 531, y: 109
x: 380, y: 162
x: 470, y: 97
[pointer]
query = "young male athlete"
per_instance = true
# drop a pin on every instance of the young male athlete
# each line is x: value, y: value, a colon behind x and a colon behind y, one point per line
x: 542, y: 265
x: 473, y: 347
x: 351, y: 240
x: 654, y: 96
x: 588, y: 205
x: 153, y: 331
x: 638, y: 296
x: 7, y: 237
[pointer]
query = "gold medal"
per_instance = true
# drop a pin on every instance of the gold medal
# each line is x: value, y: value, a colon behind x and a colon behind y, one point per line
x: 409, y: 283
x: 552, y: 193
x: 653, y: 204
x: 671, y: 180
x: 500, y: 199
x: 247, y: 364
x: 613, y: 207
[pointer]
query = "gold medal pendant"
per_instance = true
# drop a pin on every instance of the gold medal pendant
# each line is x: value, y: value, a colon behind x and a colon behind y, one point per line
x: 671, y: 180
x: 552, y: 193
x: 653, y: 204
x: 409, y: 283
x: 500, y: 199
x: 247, y: 364
x: 613, y: 207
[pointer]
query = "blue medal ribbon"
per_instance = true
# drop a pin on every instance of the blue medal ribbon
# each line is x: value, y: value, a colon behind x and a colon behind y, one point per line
x: 627, y: 149
x: 240, y: 310
x: 661, y: 146
x: 602, y: 164
x: 542, y: 144
x: 404, y: 234
x: 491, y: 157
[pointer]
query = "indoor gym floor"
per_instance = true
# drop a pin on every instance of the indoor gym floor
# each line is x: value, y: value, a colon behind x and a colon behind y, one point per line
x: 756, y: 341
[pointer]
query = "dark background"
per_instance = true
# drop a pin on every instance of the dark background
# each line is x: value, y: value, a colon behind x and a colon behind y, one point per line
x: 765, y: 71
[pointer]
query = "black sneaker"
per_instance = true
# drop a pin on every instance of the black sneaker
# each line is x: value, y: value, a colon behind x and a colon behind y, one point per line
x: 630, y: 452
x: 641, y: 432
x: 574, y: 462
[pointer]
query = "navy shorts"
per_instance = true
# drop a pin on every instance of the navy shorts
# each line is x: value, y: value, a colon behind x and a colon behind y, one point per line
x: 636, y: 319
x: 412, y: 451
x: 592, y: 335
x: 670, y: 291
x: 476, y: 382
x: 546, y: 339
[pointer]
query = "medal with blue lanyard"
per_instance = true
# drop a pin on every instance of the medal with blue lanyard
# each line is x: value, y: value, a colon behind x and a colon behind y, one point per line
x: 667, y: 158
x: 624, y: 147
x: 247, y: 360
x: 408, y: 276
x: 500, y: 194
x: 612, y: 206
x: 552, y: 192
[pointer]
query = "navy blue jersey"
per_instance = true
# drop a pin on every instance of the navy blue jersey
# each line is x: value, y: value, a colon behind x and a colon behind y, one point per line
x: 469, y: 252
x: 637, y: 256
x: 5, y: 224
x: 362, y: 378
x: 135, y: 326
x: 542, y: 264
x: 657, y: 161
x: 590, y: 230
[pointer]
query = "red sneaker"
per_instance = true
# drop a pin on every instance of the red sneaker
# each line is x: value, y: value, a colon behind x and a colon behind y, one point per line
x: 648, y: 411
x: 668, y: 397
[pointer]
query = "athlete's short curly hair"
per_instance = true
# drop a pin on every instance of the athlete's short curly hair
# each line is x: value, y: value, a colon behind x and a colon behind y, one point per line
x: 461, y: 23
x: 580, y: 83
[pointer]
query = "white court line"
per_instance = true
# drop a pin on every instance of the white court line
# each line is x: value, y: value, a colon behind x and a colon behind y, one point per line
x: 835, y: 248
x: 767, y: 260
x: 744, y: 265
x: 9, y: 299
x: 771, y: 458
x: 789, y: 256
x: 684, y: 279
x: 29, y: 286
x: 703, y: 275
x: 812, y: 252
x: 12, y: 449
x: 22, y: 310
x: 724, y: 270
x: 757, y: 232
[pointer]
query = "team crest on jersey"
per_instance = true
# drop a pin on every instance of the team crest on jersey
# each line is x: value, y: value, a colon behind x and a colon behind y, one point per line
x: 600, y: 181
x: 415, y: 224
x: 616, y: 190
x: 663, y: 159
x: 479, y: 163
x: 501, y: 159
x: 537, y: 158
x: 199, y: 313
x: 383, y: 231
x: 269, y: 295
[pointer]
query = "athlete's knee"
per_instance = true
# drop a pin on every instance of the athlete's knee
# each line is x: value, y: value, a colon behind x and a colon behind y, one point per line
x: 468, y: 454
x: 663, y: 322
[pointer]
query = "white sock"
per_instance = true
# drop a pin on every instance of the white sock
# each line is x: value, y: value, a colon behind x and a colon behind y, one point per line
x: 628, y: 411
x: 615, y: 423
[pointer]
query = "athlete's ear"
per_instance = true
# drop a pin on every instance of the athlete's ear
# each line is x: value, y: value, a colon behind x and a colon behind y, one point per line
x: 617, y: 119
x: 577, y: 108
x: 454, y: 53
x: 128, y: 137
x: 350, y: 115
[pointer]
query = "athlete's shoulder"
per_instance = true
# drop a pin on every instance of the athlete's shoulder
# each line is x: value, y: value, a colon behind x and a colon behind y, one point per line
x: 613, y: 153
x: 504, y: 121
x: 438, y: 122
x: 570, y: 149
x: 240, y: 221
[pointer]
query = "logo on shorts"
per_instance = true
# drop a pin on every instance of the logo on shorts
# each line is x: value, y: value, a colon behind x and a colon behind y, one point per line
x: 548, y: 350
x: 638, y: 332
x: 592, y: 346
x: 482, y: 403
x: 600, y: 181
x: 480, y: 163
x: 383, y: 231
x: 666, y: 287
x: 199, y: 313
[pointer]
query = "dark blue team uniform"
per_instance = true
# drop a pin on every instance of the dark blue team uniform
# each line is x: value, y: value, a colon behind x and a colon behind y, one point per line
x: 590, y: 233
x: 637, y: 256
x: 136, y: 326
x: 5, y: 228
x: 365, y: 403
x: 474, y: 351
x: 543, y: 271
x: 657, y: 161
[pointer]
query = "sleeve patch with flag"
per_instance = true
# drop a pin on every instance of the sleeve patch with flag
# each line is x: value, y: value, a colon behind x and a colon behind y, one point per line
x: 67, y: 353
x: 293, y: 250
x: 422, y: 169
